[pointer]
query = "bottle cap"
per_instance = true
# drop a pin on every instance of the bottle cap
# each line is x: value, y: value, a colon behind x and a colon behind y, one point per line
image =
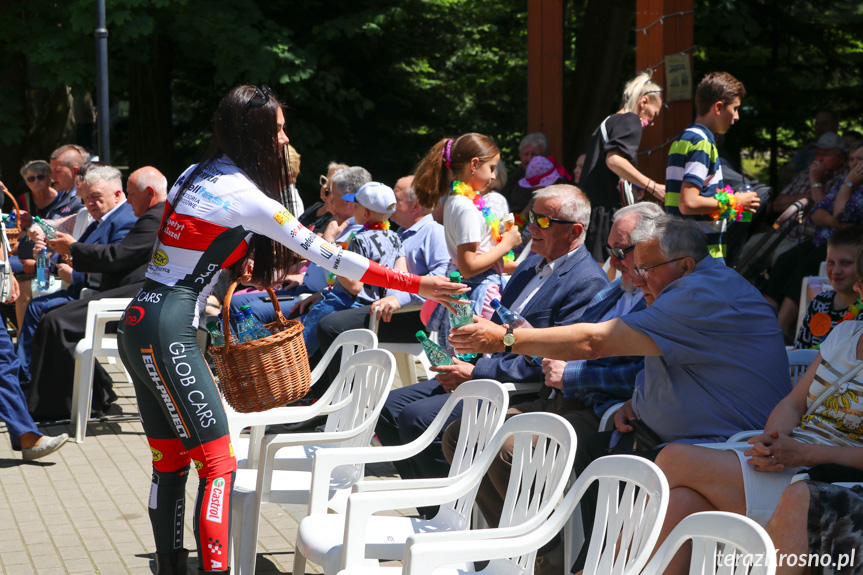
x: 421, y: 335
x: 239, y: 316
x: 212, y: 324
x: 495, y: 303
x: 455, y: 277
x: 37, y: 219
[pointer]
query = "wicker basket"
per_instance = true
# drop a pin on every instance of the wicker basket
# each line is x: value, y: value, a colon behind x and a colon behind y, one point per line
x: 13, y: 232
x: 264, y: 373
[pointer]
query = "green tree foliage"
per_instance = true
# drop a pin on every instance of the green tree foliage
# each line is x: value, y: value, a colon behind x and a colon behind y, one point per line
x: 377, y: 82
x: 795, y: 57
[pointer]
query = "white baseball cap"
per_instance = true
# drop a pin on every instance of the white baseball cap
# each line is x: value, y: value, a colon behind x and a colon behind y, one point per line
x: 374, y: 196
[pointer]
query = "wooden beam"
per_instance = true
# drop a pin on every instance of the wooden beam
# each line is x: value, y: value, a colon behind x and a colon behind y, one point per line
x: 545, y: 71
x: 661, y: 30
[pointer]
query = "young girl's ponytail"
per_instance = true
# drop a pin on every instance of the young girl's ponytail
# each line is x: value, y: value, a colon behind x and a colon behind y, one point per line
x: 431, y: 178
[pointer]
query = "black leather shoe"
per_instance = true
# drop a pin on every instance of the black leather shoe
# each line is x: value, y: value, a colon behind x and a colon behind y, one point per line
x: 173, y: 563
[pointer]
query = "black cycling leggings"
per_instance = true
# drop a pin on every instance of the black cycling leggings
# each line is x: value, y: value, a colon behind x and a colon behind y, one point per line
x: 183, y: 418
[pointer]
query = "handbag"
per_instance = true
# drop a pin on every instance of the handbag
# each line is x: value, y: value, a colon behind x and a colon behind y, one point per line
x: 6, y: 277
x: 639, y: 440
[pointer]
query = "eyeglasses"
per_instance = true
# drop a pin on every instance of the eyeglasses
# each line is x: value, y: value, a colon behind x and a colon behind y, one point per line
x: 642, y: 272
x: 261, y: 97
x: 39, y: 177
x: 323, y: 180
x: 619, y: 253
x: 544, y: 222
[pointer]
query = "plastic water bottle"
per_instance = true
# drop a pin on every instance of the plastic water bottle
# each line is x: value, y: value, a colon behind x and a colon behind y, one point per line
x: 43, y: 271
x: 435, y: 353
x: 257, y: 327
x: 47, y: 228
x: 463, y: 315
x: 216, y: 337
x: 514, y: 320
x: 244, y: 329
x: 747, y: 215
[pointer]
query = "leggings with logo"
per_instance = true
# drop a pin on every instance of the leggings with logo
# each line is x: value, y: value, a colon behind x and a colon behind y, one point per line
x: 183, y: 418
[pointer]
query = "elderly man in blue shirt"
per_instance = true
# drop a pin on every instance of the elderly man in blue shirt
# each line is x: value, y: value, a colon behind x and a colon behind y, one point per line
x: 715, y: 362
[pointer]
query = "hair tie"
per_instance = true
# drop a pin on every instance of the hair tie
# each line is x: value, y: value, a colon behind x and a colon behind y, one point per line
x: 447, y: 153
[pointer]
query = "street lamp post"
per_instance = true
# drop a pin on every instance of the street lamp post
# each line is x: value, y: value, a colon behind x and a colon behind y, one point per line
x: 101, y: 35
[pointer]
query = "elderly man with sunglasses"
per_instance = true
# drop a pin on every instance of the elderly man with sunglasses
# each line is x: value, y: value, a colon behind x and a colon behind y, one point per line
x: 552, y: 287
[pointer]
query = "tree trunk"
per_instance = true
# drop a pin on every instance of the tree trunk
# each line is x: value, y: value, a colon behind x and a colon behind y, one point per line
x: 595, y: 92
x: 150, y: 133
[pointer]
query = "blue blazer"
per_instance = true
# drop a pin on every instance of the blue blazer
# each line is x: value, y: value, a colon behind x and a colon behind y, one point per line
x: 111, y: 230
x: 561, y: 300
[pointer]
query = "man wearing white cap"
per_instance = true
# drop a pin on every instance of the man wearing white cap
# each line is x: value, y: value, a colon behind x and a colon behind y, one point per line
x: 373, y: 204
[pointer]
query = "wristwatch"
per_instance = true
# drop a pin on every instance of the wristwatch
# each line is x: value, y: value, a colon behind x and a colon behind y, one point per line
x: 508, y: 339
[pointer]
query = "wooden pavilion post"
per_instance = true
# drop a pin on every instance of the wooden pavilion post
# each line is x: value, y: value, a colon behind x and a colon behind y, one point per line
x: 545, y: 72
x: 663, y: 28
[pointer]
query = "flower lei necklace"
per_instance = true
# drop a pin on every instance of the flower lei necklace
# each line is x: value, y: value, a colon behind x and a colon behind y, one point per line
x: 729, y: 207
x: 463, y: 189
x: 384, y: 225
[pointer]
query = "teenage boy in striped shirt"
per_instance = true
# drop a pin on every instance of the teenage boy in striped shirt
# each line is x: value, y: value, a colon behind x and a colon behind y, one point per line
x: 694, y: 174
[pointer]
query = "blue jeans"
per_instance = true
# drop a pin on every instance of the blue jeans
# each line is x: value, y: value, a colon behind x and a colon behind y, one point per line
x: 13, y: 404
x: 332, y: 301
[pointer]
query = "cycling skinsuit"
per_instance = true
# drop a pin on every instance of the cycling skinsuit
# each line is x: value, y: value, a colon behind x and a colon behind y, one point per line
x: 180, y: 406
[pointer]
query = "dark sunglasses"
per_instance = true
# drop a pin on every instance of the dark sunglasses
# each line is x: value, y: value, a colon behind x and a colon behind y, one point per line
x: 261, y: 97
x: 39, y: 177
x: 619, y: 253
x: 544, y: 222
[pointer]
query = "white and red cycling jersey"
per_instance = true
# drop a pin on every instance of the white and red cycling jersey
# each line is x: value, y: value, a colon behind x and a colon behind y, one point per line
x: 211, y: 227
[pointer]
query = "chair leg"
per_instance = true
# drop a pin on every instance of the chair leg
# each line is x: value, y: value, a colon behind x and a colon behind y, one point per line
x: 299, y: 563
x: 403, y: 368
x: 82, y: 393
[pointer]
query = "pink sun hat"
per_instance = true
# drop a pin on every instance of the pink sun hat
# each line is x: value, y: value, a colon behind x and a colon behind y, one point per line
x: 542, y: 172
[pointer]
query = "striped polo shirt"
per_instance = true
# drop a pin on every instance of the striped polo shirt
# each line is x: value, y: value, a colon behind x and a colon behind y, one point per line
x: 693, y: 158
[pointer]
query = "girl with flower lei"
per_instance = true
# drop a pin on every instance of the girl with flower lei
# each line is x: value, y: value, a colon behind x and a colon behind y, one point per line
x: 458, y: 172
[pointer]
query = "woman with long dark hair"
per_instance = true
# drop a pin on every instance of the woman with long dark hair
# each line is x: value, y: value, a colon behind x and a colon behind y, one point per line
x: 221, y: 214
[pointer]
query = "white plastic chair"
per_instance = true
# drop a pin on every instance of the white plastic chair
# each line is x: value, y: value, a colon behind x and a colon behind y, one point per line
x: 722, y: 544
x: 543, y: 454
x: 353, y: 403
x: 321, y: 535
x: 95, y: 343
x: 349, y: 343
x: 406, y: 353
x: 631, y: 503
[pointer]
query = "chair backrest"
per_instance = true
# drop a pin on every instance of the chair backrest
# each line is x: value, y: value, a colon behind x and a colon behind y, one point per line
x: 631, y: 506
x: 798, y: 362
x: 348, y: 342
x: 543, y: 454
x: 542, y: 458
x: 362, y: 385
x: 722, y: 544
x: 484, y: 404
x: 97, y: 306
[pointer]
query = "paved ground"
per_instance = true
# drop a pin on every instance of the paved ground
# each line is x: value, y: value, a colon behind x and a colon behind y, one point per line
x: 83, y: 509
